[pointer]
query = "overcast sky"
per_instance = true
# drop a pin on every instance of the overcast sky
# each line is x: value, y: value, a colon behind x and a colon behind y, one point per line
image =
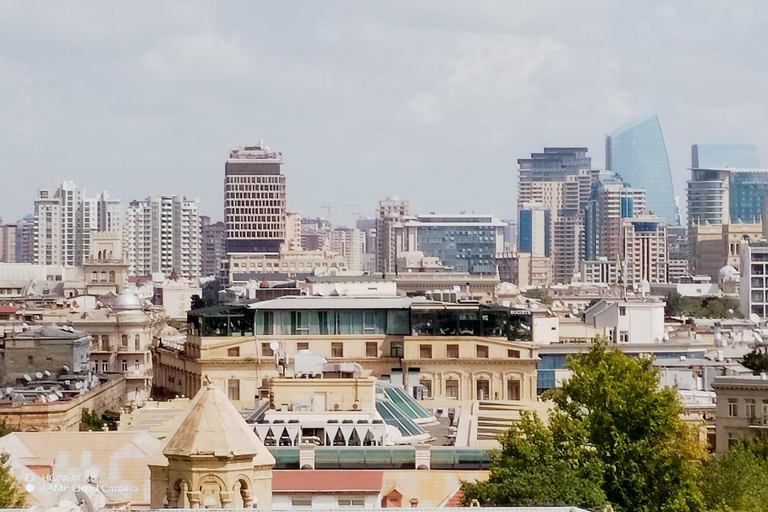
x: 431, y: 100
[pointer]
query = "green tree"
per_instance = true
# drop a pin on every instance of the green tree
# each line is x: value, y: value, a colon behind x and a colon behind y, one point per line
x: 541, y: 466
x: 736, y: 481
x: 757, y: 360
x: 12, y: 495
x: 196, y: 302
x: 674, y: 304
x: 613, y: 429
x: 539, y: 294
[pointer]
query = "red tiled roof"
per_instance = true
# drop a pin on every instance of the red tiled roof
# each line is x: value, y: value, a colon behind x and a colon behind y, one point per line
x: 308, y: 480
x: 457, y: 500
x: 8, y: 310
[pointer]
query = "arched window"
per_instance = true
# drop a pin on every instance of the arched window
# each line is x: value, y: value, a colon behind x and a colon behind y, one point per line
x: 111, y: 276
x: 103, y: 276
x: 94, y: 276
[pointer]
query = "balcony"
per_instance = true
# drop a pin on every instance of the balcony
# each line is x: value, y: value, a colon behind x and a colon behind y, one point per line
x: 759, y: 422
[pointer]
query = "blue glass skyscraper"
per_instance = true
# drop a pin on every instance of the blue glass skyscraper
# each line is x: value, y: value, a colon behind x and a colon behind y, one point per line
x: 637, y: 153
x: 716, y: 156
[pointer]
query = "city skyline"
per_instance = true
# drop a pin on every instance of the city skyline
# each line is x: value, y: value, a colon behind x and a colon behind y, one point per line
x: 138, y: 107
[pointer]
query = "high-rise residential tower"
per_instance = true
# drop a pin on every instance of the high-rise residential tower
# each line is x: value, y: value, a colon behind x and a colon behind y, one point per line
x: 390, y: 238
x: 162, y: 234
x: 25, y: 239
x: 254, y: 200
x: 644, y: 244
x: 64, y: 221
x: 349, y: 243
x: 637, y: 153
x: 7, y: 243
x: 214, y: 247
x: 560, y: 179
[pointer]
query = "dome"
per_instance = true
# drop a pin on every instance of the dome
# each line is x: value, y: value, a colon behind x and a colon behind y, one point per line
x: 126, y: 301
x: 727, y: 273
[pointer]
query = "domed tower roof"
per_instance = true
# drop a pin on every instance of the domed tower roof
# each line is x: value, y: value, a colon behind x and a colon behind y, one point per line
x: 126, y: 301
x: 214, y: 428
x: 727, y: 273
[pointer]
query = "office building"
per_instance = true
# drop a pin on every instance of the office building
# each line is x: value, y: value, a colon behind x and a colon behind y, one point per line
x: 560, y: 179
x: 64, y: 221
x: 741, y: 156
x: 349, y: 243
x: 390, y: 238
x: 644, y: 243
x: 162, y: 234
x: 254, y: 200
x: 611, y: 201
x: 214, y: 246
x: 463, y: 242
x: 637, y: 153
x: 534, y: 230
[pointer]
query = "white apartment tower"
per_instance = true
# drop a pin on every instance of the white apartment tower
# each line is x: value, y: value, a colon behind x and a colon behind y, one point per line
x: 389, y: 232
x: 162, y: 234
x: 64, y: 221
x: 254, y: 200
x: 349, y: 243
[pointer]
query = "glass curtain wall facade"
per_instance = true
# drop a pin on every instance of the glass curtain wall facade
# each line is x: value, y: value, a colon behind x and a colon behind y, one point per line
x: 637, y: 153
x: 713, y: 156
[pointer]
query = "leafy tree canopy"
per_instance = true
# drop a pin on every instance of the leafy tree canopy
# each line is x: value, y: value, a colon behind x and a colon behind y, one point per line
x: 614, y: 436
x: 12, y: 495
x: 737, y: 481
x: 757, y: 361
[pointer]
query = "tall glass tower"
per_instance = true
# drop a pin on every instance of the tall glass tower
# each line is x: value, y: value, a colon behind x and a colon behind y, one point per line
x: 637, y: 153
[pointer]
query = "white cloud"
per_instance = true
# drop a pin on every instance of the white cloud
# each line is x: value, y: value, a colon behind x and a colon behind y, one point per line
x: 203, y: 55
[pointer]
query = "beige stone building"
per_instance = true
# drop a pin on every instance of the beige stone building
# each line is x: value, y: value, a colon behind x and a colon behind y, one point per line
x: 121, y: 339
x: 433, y: 350
x: 742, y: 408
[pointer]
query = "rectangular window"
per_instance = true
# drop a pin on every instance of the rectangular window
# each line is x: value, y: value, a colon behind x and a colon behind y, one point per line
x: 350, y: 502
x: 732, y: 439
x: 302, y: 345
x: 396, y: 349
x: 233, y: 352
x: 124, y: 365
x: 337, y: 349
x: 301, y: 501
x: 137, y: 342
x: 371, y: 349
x: 622, y: 311
x: 750, y: 408
x: 425, y: 351
x: 124, y: 340
x: 513, y: 354
x: 452, y: 351
x: 104, y: 366
x: 300, y: 321
x: 233, y: 389
x: 733, y: 407
x: 31, y: 360
x: 136, y: 366
x: 624, y: 337
x: 482, y: 352
x: 105, y: 343
x: 452, y: 389
x: 266, y: 350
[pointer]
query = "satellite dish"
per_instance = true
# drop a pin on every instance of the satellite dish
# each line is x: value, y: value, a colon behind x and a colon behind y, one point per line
x: 43, y: 399
x: 9, y: 390
x: 78, y: 385
x: 67, y: 382
x: 755, y: 318
x: 47, y: 373
x: 65, y: 368
x: 274, y: 346
x: 52, y: 397
x: 27, y: 378
x: 39, y: 375
x: 59, y: 393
